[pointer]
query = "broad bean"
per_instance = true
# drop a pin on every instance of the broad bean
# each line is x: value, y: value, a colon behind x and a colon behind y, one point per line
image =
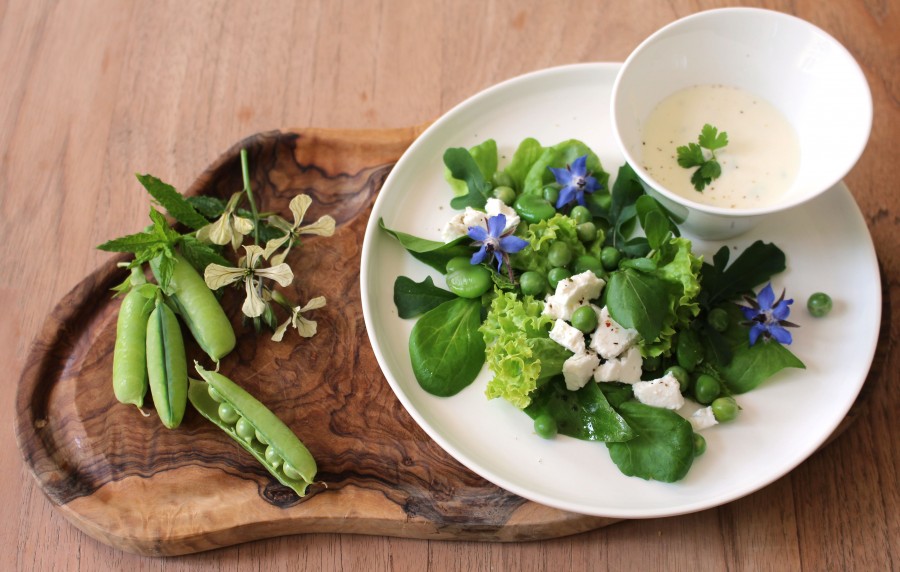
x: 469, y: 281
x: 533, y: 208
x: 257, y: 430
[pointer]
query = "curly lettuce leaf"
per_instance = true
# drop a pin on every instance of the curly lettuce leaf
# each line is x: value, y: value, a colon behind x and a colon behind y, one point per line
x: 540, y: 236
x: 519, y: 350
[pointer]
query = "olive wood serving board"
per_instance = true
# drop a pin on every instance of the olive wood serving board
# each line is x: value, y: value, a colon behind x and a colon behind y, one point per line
x: 125, y: 480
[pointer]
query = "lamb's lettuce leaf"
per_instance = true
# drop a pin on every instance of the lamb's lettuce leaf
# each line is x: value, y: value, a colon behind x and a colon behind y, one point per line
x: 663, y: 449
x: 584, y: 414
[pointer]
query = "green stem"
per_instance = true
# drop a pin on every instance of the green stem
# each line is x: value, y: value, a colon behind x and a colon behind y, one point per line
x: 245, y: 172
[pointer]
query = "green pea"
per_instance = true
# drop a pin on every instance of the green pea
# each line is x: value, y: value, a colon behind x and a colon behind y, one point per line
x: 533, y: 283
x: 199, y: 309
x: 718, y: 319
x: 458, y: 262
x: 559, y: 254
x: 275, y: 443
x: 556, y: 275
x: 228, y: 414
x: 610, y: 257
x: 699, y: 444
x: 587, y: 231
x: 502, y: 179
x: 533, y: 208
x: 245, y: 429
x: 819, y: 304
x: 689, y: 351
x: 681, y: 374
x: 273, y: 457
x: 506, y: 194
x: 470, y: 282
x: 550, y: 194
x: 290, y: 472
x: 585, y: 319
x: 166, y: 365
x: 725, y: 409
x: 215, y: 394
x: 130, y: 351
x: 545, y: 426
x: 587, y: 262
x: 706, y: 389
x: 580, y: 214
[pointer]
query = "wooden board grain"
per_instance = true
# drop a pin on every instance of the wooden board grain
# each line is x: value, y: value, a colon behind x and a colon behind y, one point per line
x: 127, y: 481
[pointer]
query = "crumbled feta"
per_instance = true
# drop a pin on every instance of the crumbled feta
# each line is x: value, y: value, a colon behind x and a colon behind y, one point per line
x: 573, y: 293
x: 703, y: 419
x: 626, y: 368
x: 611, y: 338
x: 577, y: 370
x: 567, y: 336
x: 461, y: 222
x: 664, y: 392
x: 493, y: 207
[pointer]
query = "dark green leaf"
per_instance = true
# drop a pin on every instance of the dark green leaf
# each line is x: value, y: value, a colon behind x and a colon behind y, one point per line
x: 699, y: 181
x: 751, y: 365
x: 721, y: 257
x: 463, y: 167
x: 210, y: 207
x: 431, y: 252
x: 616, y: 393
x: 415, y: 298
x: 662, y: 451
x: 163, y: 267
x: 173, y: 201
x: 637, y: 247
x: 638, y: 300
x: 711, y: 170
x: 584, y: 414
x: 131, y: 243
x: 755, y: 265
x: 201, y: 255
x: 445, y: 347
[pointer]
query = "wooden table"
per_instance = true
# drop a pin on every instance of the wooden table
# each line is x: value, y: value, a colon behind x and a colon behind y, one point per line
x: 94, y: 91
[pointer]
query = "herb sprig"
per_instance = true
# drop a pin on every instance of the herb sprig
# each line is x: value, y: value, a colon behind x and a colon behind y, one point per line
x: 692, y: 155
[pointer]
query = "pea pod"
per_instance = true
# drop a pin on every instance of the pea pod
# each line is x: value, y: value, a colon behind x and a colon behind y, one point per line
x: 166, y: 365
x: 130, y: 352
x: 255, y: 428
x: 199, y: 309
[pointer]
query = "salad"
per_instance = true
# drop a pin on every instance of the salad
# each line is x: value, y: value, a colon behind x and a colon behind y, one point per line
x: 593, y: 314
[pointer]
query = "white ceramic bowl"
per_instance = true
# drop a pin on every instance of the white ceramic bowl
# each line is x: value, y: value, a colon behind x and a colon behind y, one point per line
x: 805, y: 73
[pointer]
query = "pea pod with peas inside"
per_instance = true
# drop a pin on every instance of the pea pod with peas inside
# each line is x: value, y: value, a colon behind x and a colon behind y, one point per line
x: 254, y: 427
x: 199, y: 309
x: 166, y: 364
x: 130, y: 351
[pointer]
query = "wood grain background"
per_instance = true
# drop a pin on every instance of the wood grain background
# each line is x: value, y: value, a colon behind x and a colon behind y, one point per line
x: 94, y: 91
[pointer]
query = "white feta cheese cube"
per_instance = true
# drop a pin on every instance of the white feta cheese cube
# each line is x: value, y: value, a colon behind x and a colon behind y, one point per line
x: 493, y: 207
x: 610, y: 338
x: 626, y: 368
x: 573, y: 293
x: 567, y: 336
x: 578, y: 369
x: 664, y: 392
x: 459, y: 225
x: 703, y: 419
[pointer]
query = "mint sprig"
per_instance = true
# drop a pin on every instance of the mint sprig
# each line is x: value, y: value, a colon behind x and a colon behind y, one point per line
x: 692, y: 155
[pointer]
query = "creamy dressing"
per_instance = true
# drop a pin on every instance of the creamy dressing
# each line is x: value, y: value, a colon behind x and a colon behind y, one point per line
x: 759, y: 164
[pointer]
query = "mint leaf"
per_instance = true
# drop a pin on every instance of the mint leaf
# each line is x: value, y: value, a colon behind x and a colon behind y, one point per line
x: 131, y: 243
x: 415, y: 298
x: 210, y: 207
x: 173, y: 201
x: 711, y: 139
x: 201, y: 255
x: 690, y: 155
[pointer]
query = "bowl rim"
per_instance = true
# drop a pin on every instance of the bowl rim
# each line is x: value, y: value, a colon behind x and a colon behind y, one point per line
x: 855, y: 70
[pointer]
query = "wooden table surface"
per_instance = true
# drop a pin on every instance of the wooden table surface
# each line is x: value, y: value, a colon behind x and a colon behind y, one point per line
x: 94, y: 91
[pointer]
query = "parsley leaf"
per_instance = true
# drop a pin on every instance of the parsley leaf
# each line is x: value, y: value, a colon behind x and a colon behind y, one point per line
x: 692, y: 155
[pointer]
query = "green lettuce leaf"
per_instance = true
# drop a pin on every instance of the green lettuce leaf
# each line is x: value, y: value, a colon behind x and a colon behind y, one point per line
x: 558, y: 156
x: 662, y: 451
x: 540, y: 236
x: 485, y: 157
x: 528, y: 152
x: 516, y: 335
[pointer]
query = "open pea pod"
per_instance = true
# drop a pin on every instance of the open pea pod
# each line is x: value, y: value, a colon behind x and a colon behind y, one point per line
x: 255, y: 428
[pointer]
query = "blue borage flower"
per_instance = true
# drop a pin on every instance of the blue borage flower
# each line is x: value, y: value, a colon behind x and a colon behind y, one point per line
x: 767, y: 316
x: 575, y: 181
x: 493, y: 241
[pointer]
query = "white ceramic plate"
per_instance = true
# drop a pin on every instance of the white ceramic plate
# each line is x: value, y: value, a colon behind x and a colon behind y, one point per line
x: 828, y: 248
